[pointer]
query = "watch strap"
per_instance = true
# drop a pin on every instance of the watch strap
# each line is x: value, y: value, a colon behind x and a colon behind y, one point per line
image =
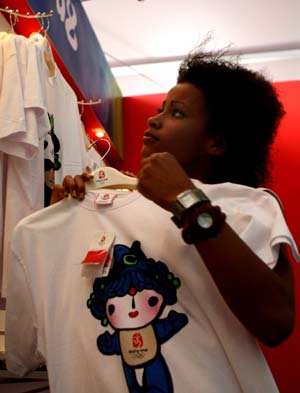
x: 179, y: 207
x: 178, y: 218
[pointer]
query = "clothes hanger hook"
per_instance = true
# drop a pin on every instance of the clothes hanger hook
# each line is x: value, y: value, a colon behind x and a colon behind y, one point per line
x: 81, y: 108
x: 48, y: 25
x: 42, y: 25
x: 108, y: 149
x: 101, y: 140
x: 13, y: 18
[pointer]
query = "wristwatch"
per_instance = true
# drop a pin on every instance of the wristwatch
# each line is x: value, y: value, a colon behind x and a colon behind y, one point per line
x: 186, y: 200
x: 199, y: 219
x: 202, y: 222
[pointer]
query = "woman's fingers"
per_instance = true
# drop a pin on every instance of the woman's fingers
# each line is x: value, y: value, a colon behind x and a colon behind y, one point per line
x: 79, y: 192
x: 74, y: 186
x: 161, y: 179
x: 58, y: 193
x: 69, y: 186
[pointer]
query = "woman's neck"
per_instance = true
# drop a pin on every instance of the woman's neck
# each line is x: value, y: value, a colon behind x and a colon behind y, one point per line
x: 201, y: 171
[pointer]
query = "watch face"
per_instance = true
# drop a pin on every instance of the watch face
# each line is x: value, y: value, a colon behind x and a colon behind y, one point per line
x: 205, y: 220
x: 188, y: 199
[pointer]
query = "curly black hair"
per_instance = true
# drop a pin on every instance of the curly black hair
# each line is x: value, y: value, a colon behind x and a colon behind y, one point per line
x: 243, y: 111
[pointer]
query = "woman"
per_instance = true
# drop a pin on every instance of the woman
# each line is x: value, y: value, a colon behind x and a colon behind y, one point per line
x: 216, y: 127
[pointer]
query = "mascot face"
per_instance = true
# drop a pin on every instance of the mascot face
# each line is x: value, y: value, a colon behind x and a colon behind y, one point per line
x: 134, y: 310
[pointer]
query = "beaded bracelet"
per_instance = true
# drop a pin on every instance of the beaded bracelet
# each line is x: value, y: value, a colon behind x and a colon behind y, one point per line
x: 201, y: 222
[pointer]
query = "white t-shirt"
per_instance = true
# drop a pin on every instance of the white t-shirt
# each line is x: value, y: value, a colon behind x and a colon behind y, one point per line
x: 62, y: 105
x: 23, y: 125
x: 22, y: 99
x: 161, y: 313
x: 3, y: 172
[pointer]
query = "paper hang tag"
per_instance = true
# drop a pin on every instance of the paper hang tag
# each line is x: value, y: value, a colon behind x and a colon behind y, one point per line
x: 104, y: 198
x: 98, y: 259
x: 108, y: 264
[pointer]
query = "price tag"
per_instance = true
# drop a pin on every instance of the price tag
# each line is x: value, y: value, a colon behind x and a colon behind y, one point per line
x: 104, y: 198
x: 98, y: 259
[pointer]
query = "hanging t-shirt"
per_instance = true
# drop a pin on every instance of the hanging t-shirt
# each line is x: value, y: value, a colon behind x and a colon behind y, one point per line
x: 23, y: 125
x: 65, y: 142
x: 157, y: 313
x: 21, y: 82
x: 3, y: 171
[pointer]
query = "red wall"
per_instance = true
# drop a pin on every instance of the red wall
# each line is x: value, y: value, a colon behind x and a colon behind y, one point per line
x: 285, y: 359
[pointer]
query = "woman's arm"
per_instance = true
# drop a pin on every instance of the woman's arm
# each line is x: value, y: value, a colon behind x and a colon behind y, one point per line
x: 261, y: 298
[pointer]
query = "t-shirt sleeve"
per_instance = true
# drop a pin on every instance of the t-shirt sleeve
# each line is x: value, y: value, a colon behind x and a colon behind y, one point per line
x: 12, y: 118
x: 21, y: 342
x: 256, y: 216
x: 263, y: 227
x: 21, y: 84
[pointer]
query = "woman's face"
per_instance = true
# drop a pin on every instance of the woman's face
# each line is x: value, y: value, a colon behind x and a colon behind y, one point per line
x: 180, y: 127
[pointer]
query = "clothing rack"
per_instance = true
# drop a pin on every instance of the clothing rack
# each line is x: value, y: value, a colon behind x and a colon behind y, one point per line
x: 90, y: 102
x: 27, y: 15
x: 83, y: 103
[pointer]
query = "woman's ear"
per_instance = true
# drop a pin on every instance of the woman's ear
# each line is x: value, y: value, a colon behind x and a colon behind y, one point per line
x: 216, y: 146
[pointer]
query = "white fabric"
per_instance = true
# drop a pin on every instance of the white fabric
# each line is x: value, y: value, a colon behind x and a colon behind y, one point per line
x: 62, y: 104
x: 27, y: 95
x: 22, y: 100
x: 3, y: 171
x: 256, y: 223
x: 23, y: 125
x: 47, y: 319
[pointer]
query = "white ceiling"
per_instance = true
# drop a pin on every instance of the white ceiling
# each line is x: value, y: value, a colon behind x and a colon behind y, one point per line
x: 144, y: 40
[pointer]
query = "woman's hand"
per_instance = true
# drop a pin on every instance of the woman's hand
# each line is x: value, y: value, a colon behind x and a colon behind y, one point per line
x: 75, y: 186
x: 161, y: 178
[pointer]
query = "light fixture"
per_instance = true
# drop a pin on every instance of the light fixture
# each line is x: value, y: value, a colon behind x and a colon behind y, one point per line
x: 99, y: 132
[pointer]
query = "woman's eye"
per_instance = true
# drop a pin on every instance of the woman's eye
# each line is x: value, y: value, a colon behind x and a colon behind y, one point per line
x: 174, y: 112
x: 177, y: 113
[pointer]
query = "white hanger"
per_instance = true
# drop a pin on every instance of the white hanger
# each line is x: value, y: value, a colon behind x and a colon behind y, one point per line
x: 13, y: 15
x: 108, y: 177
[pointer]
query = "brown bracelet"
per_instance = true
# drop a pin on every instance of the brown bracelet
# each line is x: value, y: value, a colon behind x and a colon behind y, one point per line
x: 201, y: 222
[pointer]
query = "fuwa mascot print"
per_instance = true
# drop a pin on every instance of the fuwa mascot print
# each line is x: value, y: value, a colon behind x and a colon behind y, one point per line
x: 131, y: 300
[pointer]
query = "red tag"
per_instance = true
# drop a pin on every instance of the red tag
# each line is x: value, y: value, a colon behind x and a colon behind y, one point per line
x: 99, y: 255
x: 95, y: 257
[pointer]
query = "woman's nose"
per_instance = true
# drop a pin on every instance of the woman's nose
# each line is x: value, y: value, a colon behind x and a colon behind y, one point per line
x: 154, y: 121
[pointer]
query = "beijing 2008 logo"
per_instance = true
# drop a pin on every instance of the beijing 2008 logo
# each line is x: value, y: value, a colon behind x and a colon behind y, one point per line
x: 101, y: 175
x: 137, y: 340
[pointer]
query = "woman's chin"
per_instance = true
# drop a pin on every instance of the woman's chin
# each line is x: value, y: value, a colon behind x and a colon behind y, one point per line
x: 146, y: 151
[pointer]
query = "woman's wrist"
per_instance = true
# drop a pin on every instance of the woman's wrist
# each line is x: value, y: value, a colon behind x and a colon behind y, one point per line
x: 201, y: 222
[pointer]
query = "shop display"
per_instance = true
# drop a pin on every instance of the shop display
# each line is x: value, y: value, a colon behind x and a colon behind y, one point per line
x: 40, y: 131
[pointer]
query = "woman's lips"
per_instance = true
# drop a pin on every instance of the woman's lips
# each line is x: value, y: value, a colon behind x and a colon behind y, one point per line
x: 133, y: 314
x: 149, y: 138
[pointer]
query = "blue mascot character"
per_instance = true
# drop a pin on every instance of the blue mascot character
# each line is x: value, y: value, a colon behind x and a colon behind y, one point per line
x: 131, y: 300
